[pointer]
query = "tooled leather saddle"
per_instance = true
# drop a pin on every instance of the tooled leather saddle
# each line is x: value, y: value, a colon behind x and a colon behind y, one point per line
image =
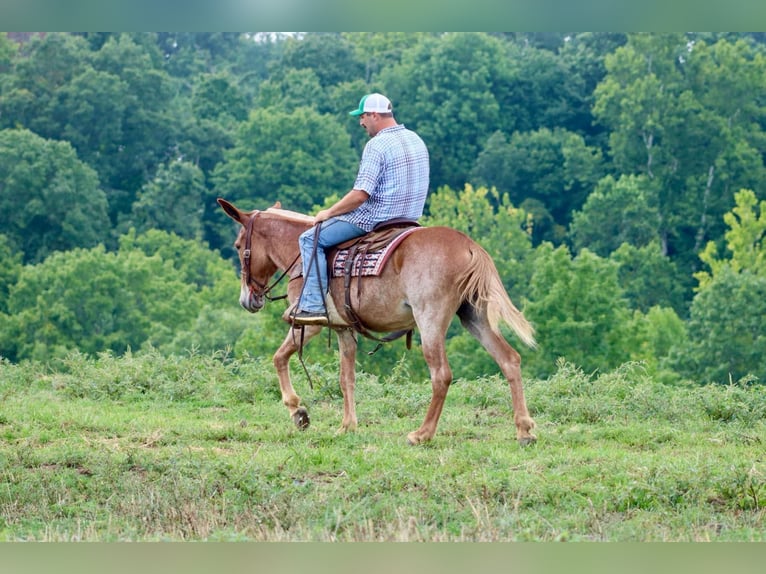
x: 367, y: 256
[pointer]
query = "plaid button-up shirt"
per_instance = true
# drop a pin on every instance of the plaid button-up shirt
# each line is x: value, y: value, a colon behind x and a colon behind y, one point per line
x: 394, y: 172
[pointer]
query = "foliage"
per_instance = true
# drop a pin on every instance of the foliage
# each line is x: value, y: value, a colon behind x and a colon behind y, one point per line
x: 296, y: 157
x: 578, y: 309
x: 94, y: 300
x: 10, y: 269
x: 329, y: 55
x: 554, y: 167
x: 726, y: 335
x: 112, y: 105
x: 631, y: 146
x: 172, y: 201
x: 650, y: 278
x: 651, y: 338
x: 616, y: 212
x: 50, y: 200
x: 676, y: 117
x: 744, y: 240
x: 727, y: 338
x: 447, y: 90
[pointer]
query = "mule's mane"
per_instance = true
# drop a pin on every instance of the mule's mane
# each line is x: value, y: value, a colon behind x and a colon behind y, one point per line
x: 288, y: 215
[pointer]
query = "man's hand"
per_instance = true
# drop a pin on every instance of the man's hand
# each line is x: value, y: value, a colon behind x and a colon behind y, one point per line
x: 348, y: 202
x: 323, y: 215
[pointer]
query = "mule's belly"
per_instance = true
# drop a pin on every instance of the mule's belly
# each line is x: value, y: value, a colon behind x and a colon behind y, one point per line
x: 377, y: 301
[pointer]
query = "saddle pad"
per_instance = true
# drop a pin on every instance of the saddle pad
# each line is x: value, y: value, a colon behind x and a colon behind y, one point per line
x: 367, y: 264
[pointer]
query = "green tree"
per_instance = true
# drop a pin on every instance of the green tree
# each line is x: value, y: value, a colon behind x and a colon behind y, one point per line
x: 199, y: 268
x: 330, y: 55
x: 149, y: 126
x: 543, y: 91
x: 578, y: 309
x: 218, y: 97
x: 50, y: 200
x: 616, y: 212
x: 583, y: 54
x: 80, y: 299
x: 651, y: 338
x: 744, y: 240
x: 651, y: 279
x: 10, y: 268
x: 380, y: 50
x: 685, y: 115
x: 172, y: 201
x: 8, y: 50
x: 297, y: 157
x: 114, y: 105
x: 555, y: 168
x: 443, y: 89
x: 146, y: 293
x: 293, y: 89
x: 726, y: 332
x: 190, y: 53
x: 41, y: 67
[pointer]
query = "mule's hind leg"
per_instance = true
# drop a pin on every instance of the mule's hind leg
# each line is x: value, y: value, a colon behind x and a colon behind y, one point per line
x: 509, y: 361
x: 287, y: 349
x: 435, y: 354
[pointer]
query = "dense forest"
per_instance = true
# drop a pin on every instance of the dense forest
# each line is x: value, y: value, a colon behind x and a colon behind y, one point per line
x: 618, y: 180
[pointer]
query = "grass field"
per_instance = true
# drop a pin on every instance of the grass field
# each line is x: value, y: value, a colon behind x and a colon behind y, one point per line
x: 150, y: 448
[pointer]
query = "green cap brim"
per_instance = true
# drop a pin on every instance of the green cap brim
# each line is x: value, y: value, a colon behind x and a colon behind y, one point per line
x: 360, y: 110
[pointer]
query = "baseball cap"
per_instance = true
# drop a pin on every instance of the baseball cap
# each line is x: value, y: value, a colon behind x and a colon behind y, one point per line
x: 373, y: 103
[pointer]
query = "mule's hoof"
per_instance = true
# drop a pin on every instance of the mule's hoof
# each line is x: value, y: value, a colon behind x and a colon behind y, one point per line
x: 301, y: 419
x: 415, y: 439
x: 527, y: 440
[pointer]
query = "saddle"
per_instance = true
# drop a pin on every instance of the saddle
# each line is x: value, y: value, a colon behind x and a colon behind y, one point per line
x: 374, y: 247
x: 366, y: 256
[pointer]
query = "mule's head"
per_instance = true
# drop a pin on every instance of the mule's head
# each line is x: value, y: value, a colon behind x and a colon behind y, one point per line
x: 255, y: 262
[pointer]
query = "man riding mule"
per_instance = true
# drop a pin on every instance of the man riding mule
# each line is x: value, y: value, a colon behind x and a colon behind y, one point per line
x: 433, y: 274
x: 392, y: 183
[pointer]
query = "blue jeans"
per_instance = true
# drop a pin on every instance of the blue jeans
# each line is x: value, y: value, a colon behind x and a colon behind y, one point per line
x: 332, y: 232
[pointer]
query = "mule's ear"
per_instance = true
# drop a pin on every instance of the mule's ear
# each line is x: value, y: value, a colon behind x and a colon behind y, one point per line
x: 230, y: 210
x: 277, y: 205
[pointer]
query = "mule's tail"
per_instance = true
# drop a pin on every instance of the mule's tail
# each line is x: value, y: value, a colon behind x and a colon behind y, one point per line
x: 480, y: 285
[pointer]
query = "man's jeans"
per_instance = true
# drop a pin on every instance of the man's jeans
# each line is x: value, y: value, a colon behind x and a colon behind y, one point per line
x: 332, y: 232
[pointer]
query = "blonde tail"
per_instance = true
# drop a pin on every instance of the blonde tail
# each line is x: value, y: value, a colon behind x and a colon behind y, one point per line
x: 482, y: 287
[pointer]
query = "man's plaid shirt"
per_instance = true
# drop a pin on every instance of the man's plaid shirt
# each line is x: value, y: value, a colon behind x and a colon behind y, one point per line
x: 394, y: 172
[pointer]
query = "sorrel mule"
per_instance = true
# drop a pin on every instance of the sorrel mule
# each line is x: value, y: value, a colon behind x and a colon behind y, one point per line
x: 435, y: 273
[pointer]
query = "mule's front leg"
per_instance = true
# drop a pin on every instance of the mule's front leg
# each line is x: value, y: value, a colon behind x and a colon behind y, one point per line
x: 287, y: 349
x: 347, y: 344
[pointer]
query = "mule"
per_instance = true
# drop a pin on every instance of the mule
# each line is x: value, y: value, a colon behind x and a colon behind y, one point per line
x: 434, y: 273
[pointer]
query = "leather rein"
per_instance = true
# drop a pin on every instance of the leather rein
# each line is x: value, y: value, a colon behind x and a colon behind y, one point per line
x: 265, y: 288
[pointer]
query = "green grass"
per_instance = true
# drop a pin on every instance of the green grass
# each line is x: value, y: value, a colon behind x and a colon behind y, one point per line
x: 147, y: 448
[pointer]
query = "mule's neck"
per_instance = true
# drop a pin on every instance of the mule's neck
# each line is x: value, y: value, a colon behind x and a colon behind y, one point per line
x: 282, y: 236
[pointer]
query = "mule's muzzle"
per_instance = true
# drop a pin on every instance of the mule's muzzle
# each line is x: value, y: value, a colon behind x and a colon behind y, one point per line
x: 251, y: 301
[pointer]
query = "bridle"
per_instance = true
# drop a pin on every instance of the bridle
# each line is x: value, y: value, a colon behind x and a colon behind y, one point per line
x: 264, y: 288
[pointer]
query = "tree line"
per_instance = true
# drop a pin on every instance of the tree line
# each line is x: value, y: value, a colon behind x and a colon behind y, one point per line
x: 616, y: 179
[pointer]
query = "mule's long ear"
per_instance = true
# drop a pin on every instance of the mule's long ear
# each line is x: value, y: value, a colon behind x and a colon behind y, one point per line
x: 230, y: 210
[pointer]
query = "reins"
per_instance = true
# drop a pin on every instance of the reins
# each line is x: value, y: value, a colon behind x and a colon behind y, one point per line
x: 266, y: 288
